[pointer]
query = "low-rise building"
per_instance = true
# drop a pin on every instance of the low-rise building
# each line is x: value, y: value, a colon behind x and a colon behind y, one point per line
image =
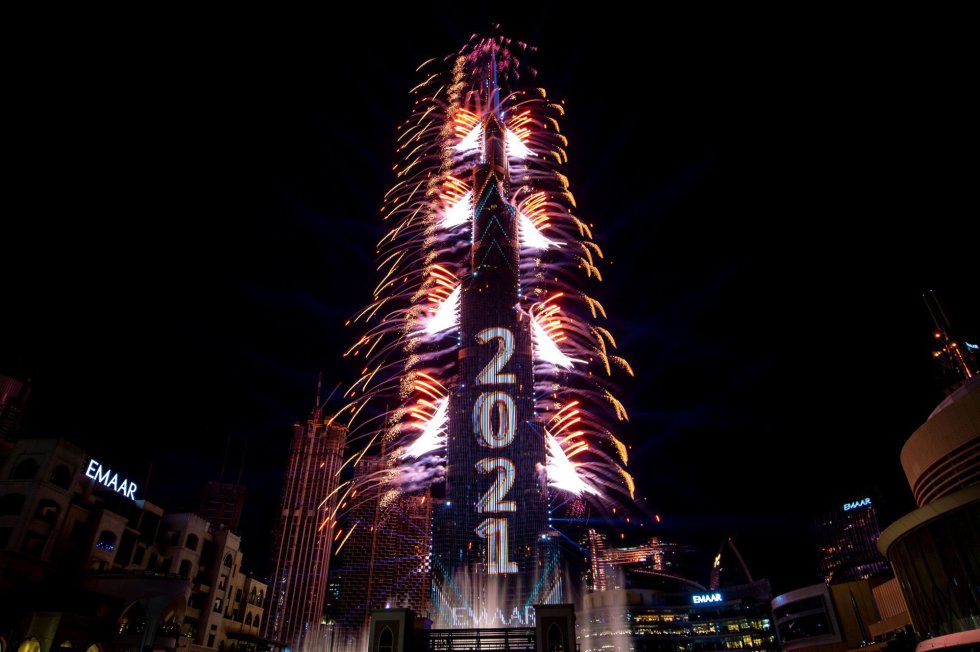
x: 84, y: 561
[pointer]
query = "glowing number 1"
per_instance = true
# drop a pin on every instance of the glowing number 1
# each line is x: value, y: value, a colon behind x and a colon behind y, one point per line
x: 495, y: 531
x: 491, y: 373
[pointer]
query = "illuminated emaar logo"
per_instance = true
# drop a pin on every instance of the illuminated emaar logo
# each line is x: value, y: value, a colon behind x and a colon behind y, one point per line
x: 107, y: 478
x: 706, y: 598
x: 857, y: 503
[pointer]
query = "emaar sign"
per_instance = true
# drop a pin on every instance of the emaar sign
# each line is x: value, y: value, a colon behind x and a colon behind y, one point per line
x: 107, y: 478
x: 857, y: 503
x: 707, y: 598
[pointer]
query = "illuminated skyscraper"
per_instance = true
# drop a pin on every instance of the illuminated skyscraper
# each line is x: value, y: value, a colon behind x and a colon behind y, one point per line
x: 488, y: 375
x: 494, y: 521
x: 302, y: 540
x: 847, y: 538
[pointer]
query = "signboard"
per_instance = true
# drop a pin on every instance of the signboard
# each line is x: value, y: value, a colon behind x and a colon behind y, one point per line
x: 706, y: 598
x: 857, y: 503
x: 103, y: 475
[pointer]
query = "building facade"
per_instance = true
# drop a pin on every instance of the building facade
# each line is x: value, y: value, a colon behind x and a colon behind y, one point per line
x: 13, y: 400
x: 385, y: 560
x: 85, y: 562
x: 303, y: 536
x: 222, y: 504
x: 678, y: 618
x: 491, y: 547
x: 842, y: 616
x: 847, y: 538
x: 935, y: 550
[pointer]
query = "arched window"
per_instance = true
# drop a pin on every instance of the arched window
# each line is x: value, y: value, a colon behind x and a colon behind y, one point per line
x: 227, y: 561
x: 386, y: 642
x: 248, y: 619
x: 261, y: 598
x: 191, y: 542
x: 133, y: 620
x: 26, y: 469
x: 257, y: 619
x: 47, y: 511
x: 556, y: 640
x: 185, y: 569
x: 251, y: 595
x: 106, y: 541
x: 11, y: 504
x: 61, y: 476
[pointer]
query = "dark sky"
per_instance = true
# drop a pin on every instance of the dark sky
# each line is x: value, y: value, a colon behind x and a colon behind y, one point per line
x: 191, y: 211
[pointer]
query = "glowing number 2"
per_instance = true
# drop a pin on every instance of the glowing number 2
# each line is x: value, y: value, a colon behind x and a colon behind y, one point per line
x: 486, y: 405
x: 491, y: 373
x: 495, y: 531
x: 493, y: 500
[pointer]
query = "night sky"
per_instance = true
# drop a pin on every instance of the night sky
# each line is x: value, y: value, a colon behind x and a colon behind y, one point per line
x: 191, y: 211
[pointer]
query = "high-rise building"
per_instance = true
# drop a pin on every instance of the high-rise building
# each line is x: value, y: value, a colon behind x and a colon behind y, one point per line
x: 492, y: 529
x: 385, y: 560
x: 847, y: 539
x: 222, y: 504
x: 303, y: 538
x: 489, y: 373
x: 13, y: 399
x: 678, y: 616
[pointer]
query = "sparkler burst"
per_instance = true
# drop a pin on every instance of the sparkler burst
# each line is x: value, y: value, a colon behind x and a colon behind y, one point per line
x: 410, y: 339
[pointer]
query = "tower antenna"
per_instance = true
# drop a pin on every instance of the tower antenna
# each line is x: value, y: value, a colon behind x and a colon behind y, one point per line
x: 316, y: 401
x: 950, y: 354
x: 241, y: 464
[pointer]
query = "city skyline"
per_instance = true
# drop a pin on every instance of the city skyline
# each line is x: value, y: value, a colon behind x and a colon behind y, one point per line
x: 737, y: 344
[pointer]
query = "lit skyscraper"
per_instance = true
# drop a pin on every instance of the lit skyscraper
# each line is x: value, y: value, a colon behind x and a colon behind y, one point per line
x: 488, y: 374
x: 303, y: 540
x: 847, y: 540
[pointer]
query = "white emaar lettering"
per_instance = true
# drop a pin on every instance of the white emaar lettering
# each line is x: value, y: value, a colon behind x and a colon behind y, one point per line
x: 707, y: 598
x: 107, y: 478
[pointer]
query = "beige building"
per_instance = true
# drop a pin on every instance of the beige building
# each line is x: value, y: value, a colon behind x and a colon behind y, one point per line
x: 85, y: 561
x: 935, y: 550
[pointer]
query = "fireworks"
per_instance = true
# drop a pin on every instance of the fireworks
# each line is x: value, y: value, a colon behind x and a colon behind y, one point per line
x: 411, y: 337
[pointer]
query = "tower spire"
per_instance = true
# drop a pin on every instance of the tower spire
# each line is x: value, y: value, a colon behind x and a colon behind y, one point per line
x: 492, y: 84
x: 317, y: 407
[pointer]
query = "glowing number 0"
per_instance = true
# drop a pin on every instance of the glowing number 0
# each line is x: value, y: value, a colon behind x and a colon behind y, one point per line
x: 483, y: 410
x: 493, y: 500
x: 495, y: 531
x: 491, y: 373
